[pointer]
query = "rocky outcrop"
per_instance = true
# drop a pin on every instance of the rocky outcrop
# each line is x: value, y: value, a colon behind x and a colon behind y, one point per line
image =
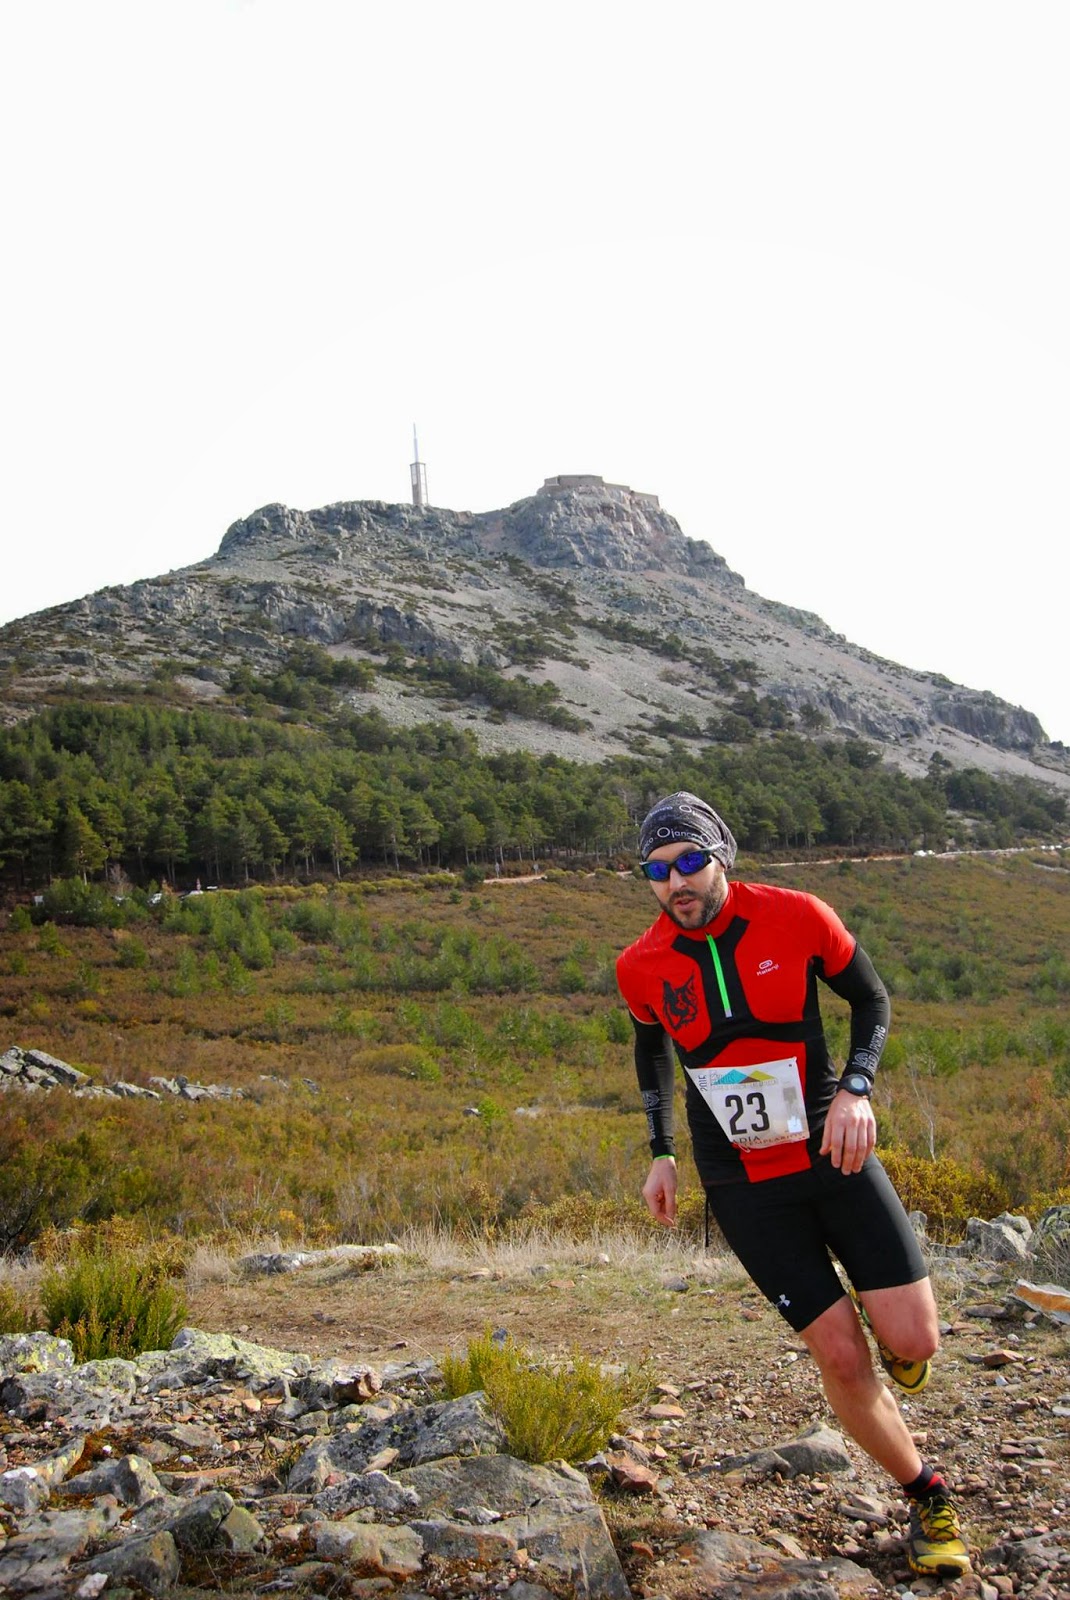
x: 605, y: 527
x: 984, y: 717
x: 453, y: 1509
x: 33, y: 1070
x: 38, y: 1069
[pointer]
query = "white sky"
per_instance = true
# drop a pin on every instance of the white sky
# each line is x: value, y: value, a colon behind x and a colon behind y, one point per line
x: 800, y: 269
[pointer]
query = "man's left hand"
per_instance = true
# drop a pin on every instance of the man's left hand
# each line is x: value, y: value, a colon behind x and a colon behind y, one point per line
x: 850, y: 1131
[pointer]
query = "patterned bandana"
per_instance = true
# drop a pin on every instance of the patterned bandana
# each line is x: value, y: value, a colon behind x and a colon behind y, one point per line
x: 684, y: 816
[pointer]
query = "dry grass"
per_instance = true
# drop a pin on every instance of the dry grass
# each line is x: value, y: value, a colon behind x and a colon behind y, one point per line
x: 638, y: 1254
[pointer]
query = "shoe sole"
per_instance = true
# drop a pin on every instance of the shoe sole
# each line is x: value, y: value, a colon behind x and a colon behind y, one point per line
x: 909, y: 1388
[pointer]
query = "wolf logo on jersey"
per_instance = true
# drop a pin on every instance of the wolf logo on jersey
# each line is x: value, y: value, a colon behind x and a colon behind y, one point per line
x: 681, y: 1005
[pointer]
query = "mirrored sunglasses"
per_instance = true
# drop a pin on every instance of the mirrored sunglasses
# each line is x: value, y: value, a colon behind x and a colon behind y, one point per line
x: 686, y: 864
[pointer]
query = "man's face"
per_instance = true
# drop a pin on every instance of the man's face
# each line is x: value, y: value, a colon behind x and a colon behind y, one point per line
x: 693, y: 901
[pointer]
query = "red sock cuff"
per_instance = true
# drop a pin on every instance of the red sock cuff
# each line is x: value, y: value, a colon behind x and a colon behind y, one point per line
x: 926, y: 1481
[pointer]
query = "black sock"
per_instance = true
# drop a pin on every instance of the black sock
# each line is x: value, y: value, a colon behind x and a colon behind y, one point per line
x: 926, y: 1481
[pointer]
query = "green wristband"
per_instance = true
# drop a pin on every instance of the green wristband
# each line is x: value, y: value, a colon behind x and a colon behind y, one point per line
x: 663, y: 1158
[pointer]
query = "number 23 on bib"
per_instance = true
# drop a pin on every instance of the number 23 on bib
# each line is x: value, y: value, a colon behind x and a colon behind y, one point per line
x: 755, y: 1106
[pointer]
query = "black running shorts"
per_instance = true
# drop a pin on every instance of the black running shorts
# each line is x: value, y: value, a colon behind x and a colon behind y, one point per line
x: 786, y: 1230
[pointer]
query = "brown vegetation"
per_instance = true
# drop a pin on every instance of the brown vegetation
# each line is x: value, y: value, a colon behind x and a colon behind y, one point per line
x: 437, y: 1056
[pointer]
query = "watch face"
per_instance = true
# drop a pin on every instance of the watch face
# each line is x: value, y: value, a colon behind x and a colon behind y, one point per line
x: 856, y: 1084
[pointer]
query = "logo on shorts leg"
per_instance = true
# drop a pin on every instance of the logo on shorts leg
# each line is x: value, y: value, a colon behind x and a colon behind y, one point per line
x: 783, y: 1302
x: 681, y: 1007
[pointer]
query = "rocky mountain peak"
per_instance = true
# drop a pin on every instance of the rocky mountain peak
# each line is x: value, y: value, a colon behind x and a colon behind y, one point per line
x: 571, y: 521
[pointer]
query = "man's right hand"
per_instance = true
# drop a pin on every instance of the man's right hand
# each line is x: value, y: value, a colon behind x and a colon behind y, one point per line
x: 659, y: 1190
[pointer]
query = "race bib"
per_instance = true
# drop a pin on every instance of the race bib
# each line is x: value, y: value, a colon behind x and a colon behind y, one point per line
x: 755, y: 1106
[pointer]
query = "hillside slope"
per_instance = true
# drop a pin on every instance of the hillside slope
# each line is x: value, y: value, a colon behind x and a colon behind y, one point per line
x: 591, y: 588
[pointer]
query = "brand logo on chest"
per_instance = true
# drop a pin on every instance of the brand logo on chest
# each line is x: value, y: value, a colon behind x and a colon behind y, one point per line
x: 767, y: 966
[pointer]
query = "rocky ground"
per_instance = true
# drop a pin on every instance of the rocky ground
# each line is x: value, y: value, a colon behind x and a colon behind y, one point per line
x: 245, y: 1484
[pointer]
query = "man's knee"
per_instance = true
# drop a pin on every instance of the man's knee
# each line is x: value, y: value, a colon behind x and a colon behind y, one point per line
x: 840, y: 1350
x: 905, y: 1320
x: 915, y: 1343
x: 846, y: 1365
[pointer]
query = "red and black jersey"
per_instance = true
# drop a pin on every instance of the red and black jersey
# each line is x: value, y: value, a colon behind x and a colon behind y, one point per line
x: 740, y: 992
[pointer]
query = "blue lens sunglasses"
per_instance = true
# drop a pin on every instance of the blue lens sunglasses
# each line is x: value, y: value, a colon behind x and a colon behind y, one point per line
x: 686, y: 864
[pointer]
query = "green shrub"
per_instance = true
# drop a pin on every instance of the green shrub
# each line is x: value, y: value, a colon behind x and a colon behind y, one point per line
x: 617, y: 1026
x: 571, y: 978
x: 580, y: 1215
x: 313, y: 919
x: 40, y: 1185
x: 16, y: 1312
x: 50, y: 942
x: 400, y: 1061
x: 548, y: 1414
x: 236, y: 976
x: 113, y: 1302
x: 947, y: 1192
x: 278, y: 1016
x: 186, y: 980
x: 83, y: 905
x: 132, y: 954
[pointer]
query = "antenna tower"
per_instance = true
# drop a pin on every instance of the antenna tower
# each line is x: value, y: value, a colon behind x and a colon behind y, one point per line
x: 418, y: 474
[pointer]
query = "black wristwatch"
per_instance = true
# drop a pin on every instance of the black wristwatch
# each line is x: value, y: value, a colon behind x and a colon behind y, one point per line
x: 856, y: 1083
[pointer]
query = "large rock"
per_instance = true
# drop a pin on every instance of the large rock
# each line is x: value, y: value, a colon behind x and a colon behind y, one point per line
x: 34, y: 1352
x: 818, y: 1449
x: 451, y: 1486
x: 710, y: 1564
x: 150, y: 1562
x: 485, y: 1508
x: 196, y: 1357
x: 1051, y: 1298
x: 373, y: 1488
x: 999, y: 1240
x: 461, y: 1427
x: 358, y: 1256
x: 21, y: 1489
x: 90, y: 1395
x: 38, y: 1556
x: 130, y: 1479
x: 339, y: 1383
x: 1050, y: 1242
x: 61, y: 1072
x: 372, y: 1548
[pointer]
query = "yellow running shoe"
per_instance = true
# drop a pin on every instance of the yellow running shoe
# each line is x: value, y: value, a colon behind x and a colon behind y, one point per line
x: 910, y: 1376
x: 934, y: 1542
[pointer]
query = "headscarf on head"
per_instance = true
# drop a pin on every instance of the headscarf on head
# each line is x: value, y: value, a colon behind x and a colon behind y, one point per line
x: 683, y: 816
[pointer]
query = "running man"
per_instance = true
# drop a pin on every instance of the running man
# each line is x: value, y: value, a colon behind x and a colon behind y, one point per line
x: 728, y: 973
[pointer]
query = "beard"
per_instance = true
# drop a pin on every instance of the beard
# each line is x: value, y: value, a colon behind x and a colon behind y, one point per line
x: 697, y: 909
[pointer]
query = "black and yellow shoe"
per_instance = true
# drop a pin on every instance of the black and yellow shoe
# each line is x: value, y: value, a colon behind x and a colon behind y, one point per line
x: 910, y: 1376
x: 934, y: 1542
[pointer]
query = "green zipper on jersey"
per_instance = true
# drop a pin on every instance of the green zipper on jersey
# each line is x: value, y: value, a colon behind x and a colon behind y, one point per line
x: 720, y: 975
